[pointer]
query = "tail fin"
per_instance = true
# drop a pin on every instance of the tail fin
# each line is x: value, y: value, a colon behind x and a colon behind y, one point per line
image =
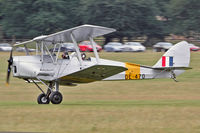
x: 177, y: 57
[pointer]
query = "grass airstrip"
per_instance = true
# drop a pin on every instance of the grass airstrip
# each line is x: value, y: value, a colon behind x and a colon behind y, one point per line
x: 137, y: 106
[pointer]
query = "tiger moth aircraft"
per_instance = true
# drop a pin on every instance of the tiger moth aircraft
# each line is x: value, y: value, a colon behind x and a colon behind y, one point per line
x: 46, y: 66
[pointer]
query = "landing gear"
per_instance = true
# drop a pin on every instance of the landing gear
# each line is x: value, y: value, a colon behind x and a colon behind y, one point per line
x: 42, y: 99
x: 56, y: 97
x: 52, y: 95
x: 173, y: 76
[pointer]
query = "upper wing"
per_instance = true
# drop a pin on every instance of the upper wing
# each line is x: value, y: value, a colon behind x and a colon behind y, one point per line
x: 94, y: 73
x: 80, y: 33
x: 30, y: 42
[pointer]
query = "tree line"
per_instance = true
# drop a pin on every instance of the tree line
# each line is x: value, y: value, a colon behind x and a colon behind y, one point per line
x: 154, y: 19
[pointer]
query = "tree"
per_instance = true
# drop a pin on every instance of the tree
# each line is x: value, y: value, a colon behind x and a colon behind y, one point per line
x: 1, y: 32
x: 162, y: 6
x: 13, y: 13
x: 30, y: 18
x: 162, y: 24
x: 131, y: 18
x: 184, y: 16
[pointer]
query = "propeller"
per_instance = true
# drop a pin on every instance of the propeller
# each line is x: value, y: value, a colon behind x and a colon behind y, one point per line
x: 10, y: 62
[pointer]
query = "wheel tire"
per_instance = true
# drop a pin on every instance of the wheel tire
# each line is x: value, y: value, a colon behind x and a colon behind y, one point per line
x: 56, y: 97
x: 42, y: 99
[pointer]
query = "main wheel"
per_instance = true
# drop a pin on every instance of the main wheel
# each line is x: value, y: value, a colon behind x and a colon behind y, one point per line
x: 42, y: 99
x: 56, y: 97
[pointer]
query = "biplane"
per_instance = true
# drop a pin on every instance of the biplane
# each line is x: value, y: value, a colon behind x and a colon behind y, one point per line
x: 48, y: 68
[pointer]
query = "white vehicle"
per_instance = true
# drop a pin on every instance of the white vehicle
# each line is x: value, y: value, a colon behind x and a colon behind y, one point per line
x: 5, y: 47
x: 69, y: 47
x: 22, y: 49
x: 162, y: 46
x: 133, y: 47
x: 47, y: 68
x: 114, y: 47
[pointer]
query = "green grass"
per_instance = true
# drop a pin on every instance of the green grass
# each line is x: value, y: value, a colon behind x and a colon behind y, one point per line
x: 139, y: 106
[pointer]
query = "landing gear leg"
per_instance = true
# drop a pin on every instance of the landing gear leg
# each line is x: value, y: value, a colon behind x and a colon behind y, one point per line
x: 56, y: 97
x: 49, y: 89
x: 44, y: 97
x: 173, y: 76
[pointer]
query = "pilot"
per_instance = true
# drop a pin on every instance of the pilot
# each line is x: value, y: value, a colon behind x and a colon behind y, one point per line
x: 83, y: 55
x: 65, y: 55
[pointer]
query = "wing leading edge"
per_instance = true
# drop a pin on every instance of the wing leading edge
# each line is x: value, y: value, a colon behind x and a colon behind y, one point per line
x: 91, y: 74
x: 80, y: 33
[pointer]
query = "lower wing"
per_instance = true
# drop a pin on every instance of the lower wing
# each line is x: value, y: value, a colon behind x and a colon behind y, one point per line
x: 91, y: 74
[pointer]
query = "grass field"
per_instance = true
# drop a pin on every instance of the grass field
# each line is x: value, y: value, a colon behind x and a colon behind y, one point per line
x: 142, y: 106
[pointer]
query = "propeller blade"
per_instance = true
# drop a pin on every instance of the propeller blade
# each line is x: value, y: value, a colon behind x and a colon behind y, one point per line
x: 10, y: 62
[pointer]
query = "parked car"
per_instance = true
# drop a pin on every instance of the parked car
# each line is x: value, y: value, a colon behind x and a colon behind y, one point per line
x: 114, y: 47
x: 5, y: 47
x: 69, y: 47
x: 162, y: 46
x: 133, y: 47
x: 86, y: 46
x: 22, y: 49
x: 65, y: 47
x: 193, y: 47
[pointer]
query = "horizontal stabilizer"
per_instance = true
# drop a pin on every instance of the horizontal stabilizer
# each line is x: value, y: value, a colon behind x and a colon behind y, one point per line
x: 171, y: 68
x: 94, y: 73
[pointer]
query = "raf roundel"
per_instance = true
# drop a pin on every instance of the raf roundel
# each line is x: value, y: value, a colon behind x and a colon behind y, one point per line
x: 167, y: 61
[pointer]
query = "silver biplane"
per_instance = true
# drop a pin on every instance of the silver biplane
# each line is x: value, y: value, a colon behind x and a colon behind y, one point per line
x: 47, y: 68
